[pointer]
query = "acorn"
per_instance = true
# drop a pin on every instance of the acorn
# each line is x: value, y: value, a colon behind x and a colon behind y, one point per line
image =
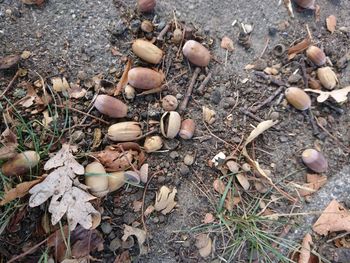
x: 196, y: 53
x: 170, y: 124
x: 169, y: 103
x: 187, y: 129
x: 110, y: 106
x: 327, y: 77
x: 298, y: 98
x: 124, y: 131
x: 21, y: 163
x: 316, y: 55
x: 115, y: 181
x: 97, y: 179
x: 147, y: 51
x: 307, y: 4
x: 145, y: 78
x: 147, y: 26
x: 314, y: 160
x: 146, y: 6
x: 153, y: 143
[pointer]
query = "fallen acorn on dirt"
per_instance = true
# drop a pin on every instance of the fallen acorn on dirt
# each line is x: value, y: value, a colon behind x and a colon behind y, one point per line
x: 147, y: 51
x: 187, y: 129
x: 153, y: 143
x: 147, y: 26
x: 298, y: 98
x: 314, y: 160
x: 307, y: 4
x: 145, y: 78
x: 170, y: 124
x: 196, y: 53
x: 327, y: 77
x: 169, y: 103
x: 115, y: 181
x: 110, y: 106
x: 21, y: 164
x: 316, y: 55
x: 97, y: 179
x: 125, y: 131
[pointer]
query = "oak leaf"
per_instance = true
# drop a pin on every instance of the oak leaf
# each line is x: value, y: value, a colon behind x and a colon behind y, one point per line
x: 165, y: 200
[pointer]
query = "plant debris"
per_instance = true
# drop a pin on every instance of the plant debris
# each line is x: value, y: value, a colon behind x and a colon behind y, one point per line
x: 339, y: 95
x: 165, y: 200
x: 204, y: 243
x: 140, y: 235
x: 66, y: 198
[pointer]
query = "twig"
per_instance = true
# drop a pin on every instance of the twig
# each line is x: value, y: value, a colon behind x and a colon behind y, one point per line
x: 335, y: 108
x: 251, y: 115
x: 313, y: 123
x: 234, y: 106
x: 144, y: 197
x: 163, y: 32
x: 267, y: 101
x: 147, y: 134
x: 265, y: 48
x: 29, y: 251
x: 81, y: 112
x: 201, y: 88
x: 129, y: 162
x: 304, y: 74
x: 10, y: 84
x: 338, y: 236
x: 184, y: 102
x: 271, y: 79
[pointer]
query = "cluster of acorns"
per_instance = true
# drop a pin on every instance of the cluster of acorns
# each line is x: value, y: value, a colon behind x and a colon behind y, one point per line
x: 142, y: 78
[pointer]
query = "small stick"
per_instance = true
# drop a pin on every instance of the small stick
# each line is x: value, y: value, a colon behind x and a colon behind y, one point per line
x: 271, y: 79
x: 267, y: 101
x: 201, y: 88
x: 313, y: 123
x: 251, y: 115
x: 265, y: 48
x: 29, y: 251
x: 335, y: 108
x: 163, y: 32
x: 303, y: 71
x: 184, y: 102
x: 10, y: 84
x: 217, y: 137
x: 79, y: 111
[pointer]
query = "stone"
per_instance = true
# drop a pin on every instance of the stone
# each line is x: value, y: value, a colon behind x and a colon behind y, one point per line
x: 184, y: 170
x: 115, y: 244
x: 215, y: 97
x: 174, y: 155
x: 106, y: 228
x: 294, y: 78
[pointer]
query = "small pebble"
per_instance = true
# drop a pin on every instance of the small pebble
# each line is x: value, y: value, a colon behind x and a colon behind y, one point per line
x: 106, y: 228
x: 189, y: 159
x: 129, y: 218
x: 161, y: 179
x: 186, y: 243
x: 111, y: 235
x: 274, y: 115
x: 135, y: 25
x: 184, y: 170
x: 294, y: 78
x: 161, y: 219
x: 283, y: 139
x: 179, y: 96
x: 115, y: 244
x: 156, y: 220
x: 272, y: 31
x: 215, y: 97
x: 260, y: 64
x: 174, y: 155
x: 246, y: 167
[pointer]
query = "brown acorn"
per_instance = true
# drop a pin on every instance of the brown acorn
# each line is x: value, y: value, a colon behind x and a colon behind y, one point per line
x: 307, y: 4
x: 327, y: 77
x: 169, y: 103
x: 314, y: 160
x: 196, y: 53
x: 314, y: 84
x: 97, y: 179
x: 147, y: 51
x: 124, y: 131
x: 110, y: 106
x: 298, y: 98
x: 187, y: 129
x: 147, y: 26
x: 146, y: 6
x: 21, y: 164
x: 145, y: 78
x: 316, y: 55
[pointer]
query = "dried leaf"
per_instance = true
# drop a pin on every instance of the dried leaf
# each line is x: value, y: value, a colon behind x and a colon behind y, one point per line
x: 165, y: 200
x: 65, y: 198
x: 298, y: 48
x: 339, y: 95
x: 31, y: 96
x: 47, y: 119
x: 314, y: 183
x: 305, y: 251
x: 9, y: 148
x: 140, y: 235
x: 60, y: 84
x: 19, y: 191
x: 114, y: 159
x: 334, y: 218
x: 243, y: 181
x: 263, y: 126
x: 227, y: 43
x: 124, y: 79
x: 331, y: 22
x: 136, y: 205
x: 203, y: 243
x: 208, y: 115
x: 96, y: 142
x: 76, y: 92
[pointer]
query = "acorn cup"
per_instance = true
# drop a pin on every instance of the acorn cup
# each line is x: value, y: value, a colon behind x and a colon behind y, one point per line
x: 314, y: 160
x: 21, y: 163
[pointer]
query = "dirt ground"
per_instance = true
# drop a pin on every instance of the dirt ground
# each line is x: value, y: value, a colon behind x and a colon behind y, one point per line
x: 74, y: 39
